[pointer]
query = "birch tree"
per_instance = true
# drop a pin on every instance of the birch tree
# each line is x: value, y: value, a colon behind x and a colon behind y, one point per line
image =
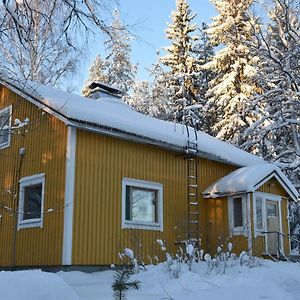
x: 275, y: 136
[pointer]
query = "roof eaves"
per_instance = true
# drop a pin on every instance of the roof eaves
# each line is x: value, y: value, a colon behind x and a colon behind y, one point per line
x: 38, y: 101
x: 141, y: 139
x: 35, y: 100
x: 281, y: 180
x: 227, y: 194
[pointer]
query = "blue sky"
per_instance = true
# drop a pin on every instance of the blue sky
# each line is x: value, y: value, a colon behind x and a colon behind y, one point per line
x: 149, y: 19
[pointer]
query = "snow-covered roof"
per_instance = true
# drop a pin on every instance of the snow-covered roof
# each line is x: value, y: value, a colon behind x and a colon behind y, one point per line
x: 112, y: 116
x: 249, y: 179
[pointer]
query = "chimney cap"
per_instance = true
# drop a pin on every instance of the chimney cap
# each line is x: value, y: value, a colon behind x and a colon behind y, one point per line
x: 105, y: 88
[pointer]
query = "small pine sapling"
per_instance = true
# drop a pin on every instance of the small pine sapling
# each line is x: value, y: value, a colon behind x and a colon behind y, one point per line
x: 122, y: 283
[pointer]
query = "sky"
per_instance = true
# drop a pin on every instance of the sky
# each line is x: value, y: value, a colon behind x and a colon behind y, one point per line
x: 147, y: 20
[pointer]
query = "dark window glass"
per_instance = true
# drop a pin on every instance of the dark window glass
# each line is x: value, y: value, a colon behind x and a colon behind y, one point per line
x: 237, y: 212
x: 32, y: 201
x: 141, y: 204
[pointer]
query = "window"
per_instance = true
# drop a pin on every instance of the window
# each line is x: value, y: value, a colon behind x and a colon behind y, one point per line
x: 5, y: 122
x: 237, y: 215
x: 237, y: 212
x: 272, y: 210
x: 142, y: 204
x: 259, y: 213
x: 265, y: 206
x: 31, y: 201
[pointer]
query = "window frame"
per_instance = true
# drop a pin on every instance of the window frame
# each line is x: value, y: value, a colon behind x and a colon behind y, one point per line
x: 126, y: 224
x: 265, y: 197
x: 239, y: 230
x: 25, y: 182
x: 3, y: 110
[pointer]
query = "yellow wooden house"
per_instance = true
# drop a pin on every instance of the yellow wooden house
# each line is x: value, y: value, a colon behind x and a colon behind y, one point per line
x: 83, y: 178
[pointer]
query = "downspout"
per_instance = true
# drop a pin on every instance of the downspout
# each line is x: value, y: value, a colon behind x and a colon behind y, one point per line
x: 249, y: 229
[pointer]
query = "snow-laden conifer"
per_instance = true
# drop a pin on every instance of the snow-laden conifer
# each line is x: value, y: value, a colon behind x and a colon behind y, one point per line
x: 180, y: 62
x: 116, y: 68
x: 97, y: 72
x: 120, y: 72
x: 234, y: 66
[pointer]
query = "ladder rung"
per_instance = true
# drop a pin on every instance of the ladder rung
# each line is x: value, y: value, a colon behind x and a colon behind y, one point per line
x: 192, y: 143
x: 192, y: 194
x: 193, y: 213
x: 193, y: 222
x: 193, y: 203
x: 192, y: 177
x: 193, y: 185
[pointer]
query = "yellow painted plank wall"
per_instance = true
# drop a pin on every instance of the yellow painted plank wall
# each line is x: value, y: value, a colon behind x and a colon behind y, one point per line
x: 45, y: 143
x: 218, y: 226
x: 101, y: 163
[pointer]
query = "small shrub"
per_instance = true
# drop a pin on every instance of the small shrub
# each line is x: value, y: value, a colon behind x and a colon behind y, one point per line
x: 122, y: 283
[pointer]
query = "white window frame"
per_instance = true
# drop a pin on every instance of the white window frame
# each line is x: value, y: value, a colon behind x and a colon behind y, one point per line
x: 139, y: 224
x: 240, y: 230
x: 258, y: 232
x: 24, y: 182
x: 265, y: 197
x: 4, y: 110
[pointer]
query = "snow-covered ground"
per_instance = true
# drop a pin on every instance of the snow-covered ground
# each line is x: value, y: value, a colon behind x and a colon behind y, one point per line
x: 269, y: 281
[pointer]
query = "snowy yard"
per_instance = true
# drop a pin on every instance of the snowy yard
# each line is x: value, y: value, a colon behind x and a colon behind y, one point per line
x: 269, y: 281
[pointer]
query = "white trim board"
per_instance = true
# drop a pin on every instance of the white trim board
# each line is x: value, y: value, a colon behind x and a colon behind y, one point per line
x: 3, y: 110
x: 242, y: 230
x: 280, y: 180
x: 69, y: 197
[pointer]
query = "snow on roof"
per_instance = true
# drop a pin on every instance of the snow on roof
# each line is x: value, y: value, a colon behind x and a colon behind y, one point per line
x: 111, y: 112
x: 249, y: 179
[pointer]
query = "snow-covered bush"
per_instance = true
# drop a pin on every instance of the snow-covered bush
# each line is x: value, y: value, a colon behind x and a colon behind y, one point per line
x: 129, y: 259
x: 225, y: 259
x: 186, y: 255
x: 249, y: 261
x: 222, y: 260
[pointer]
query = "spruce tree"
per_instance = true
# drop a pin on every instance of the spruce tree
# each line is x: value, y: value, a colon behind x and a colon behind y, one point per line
x: 97, y: 72
x: 116, y: 69
x: 121, y: 72
x: 204, y: 52
x: 180, y: 61
x: 235, y: 66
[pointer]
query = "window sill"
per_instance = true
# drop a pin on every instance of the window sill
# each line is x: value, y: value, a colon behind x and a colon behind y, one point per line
x: 30, y: 223
x: 238, y: 231
x: 4, y: 146
x: 144, y: 226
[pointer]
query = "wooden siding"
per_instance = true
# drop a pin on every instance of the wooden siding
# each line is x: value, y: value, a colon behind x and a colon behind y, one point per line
x: 218, y: 224
x: 45, y: 143
x: 101, y: 163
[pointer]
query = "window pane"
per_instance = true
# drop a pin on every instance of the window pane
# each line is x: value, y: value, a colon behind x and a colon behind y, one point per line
x: 272, y: 210
x: 237, y: 212
x: 4, y: 121
x: 259, y: 220
x: 143, y: 205
x: 32, y: 201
